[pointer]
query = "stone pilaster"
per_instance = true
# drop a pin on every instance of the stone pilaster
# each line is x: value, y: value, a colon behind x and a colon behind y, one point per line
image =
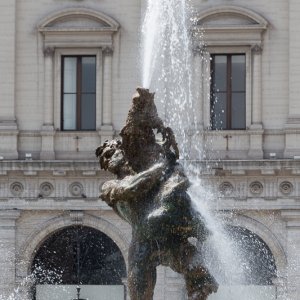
x: 8, y: 251
x: 198, y: 85
x: 8, y: 124
x: 256, y: 129
x: 292, y: 127
x: 106, y: 130
x: 107, y: 86
x: 47, y: 133
x: 292, y: 218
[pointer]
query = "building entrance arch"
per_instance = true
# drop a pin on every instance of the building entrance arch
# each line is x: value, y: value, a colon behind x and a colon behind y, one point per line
x: 78, y: 255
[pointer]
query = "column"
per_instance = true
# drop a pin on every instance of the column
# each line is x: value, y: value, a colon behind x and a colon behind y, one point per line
x: 47, y: 133
x: 292, y: 218
x: 256, y: 130
x: 8, y: 124
x: 106, y: 132
x: 8, y: 251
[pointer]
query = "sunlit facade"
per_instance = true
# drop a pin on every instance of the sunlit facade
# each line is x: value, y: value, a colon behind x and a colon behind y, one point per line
x: 68, y: 70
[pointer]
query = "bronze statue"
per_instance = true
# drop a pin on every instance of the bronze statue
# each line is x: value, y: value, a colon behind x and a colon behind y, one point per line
x: 150, y: 192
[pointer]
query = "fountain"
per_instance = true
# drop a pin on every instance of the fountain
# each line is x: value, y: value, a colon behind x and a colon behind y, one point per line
x: 150, y: 192
x: 151, y: 188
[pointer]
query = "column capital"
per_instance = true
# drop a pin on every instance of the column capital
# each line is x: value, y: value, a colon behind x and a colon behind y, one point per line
x: 257, y: 49
x: 108, y: 50
x: 8, y: 218
x: 9, y: 214
x: 49, y: 51
x: 292, y: 218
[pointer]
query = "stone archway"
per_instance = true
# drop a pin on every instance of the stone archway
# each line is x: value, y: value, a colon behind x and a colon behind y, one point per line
x: 78, y: 255
x: 267, y: 236
x: 68, y: 219
x: 37, y: 237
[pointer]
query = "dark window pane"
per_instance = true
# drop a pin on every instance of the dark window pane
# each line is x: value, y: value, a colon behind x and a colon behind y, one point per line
x: 238, y: 111
x: 238, y: 76
x: 88, y: 74
x: 220, y: 73
x: 219, y: 111
x: 69, y: 108
x: 70, y: 73
x: 88, y: 111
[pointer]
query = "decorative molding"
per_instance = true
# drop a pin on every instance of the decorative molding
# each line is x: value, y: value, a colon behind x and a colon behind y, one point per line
x: 226, y: 188
x: 17, y: 189
x: 46, y: 229
x: 46, y: 189
x: 56, y: 21
x: 76, y: 189
x: 286, y: 187
x: 78, y: 27
x: 257, y: 49
x: 107, y: 50
x: 77, y: 217
x: 49, y: 51
x: 256, y: 188
x: 229, y: 26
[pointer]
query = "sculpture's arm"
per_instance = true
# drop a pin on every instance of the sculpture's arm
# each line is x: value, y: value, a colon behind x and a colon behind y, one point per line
x: 133, y: 187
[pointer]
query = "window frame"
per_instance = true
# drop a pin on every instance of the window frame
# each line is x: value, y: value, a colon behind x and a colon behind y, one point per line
x: 78, y: 115
x: 228, y: 90
x: 206, y: 90
x: 58, y: 110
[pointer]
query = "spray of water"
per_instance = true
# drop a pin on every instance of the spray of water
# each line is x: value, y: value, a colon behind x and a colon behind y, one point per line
x: 167, y: 68
x: 166, y: 63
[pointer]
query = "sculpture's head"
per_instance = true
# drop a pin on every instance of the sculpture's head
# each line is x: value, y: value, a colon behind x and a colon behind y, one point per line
x: 144, y: 100
x: 111, y: 158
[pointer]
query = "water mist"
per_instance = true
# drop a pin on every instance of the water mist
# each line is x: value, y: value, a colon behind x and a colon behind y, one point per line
x: 167, y: 59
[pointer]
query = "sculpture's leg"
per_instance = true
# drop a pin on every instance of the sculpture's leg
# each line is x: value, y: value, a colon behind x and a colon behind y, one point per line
x: 142, y: 271
x: 199, y: 282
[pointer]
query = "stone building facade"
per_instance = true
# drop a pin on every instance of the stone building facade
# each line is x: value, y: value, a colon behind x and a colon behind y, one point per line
x: 49, y: 177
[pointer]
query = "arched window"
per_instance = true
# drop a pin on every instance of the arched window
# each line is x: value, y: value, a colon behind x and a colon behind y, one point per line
x: 79, y: 255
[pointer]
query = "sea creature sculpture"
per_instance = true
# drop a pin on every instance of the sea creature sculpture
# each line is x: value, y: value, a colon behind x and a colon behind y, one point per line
x: 150, y: 193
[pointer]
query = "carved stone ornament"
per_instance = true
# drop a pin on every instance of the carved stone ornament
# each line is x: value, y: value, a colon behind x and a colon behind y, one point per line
x: 76, y: 189
x: 257, y: 49
x: 46, y: 189
x: 226, y: 188
x: 16, y: 188
x: 256, y: 188
x: 286, y: 187
x: 107, y: 50
x: 76, y: 217
x: 150, y: 193
x: 49, y: 51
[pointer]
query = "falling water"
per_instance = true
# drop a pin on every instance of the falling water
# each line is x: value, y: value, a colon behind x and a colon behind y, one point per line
x: 166, y: 62
x: 167, y: 69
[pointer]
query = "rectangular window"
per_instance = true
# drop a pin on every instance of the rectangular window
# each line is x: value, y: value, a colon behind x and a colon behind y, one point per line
x: 228, y: 91
x: 78, y: 92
